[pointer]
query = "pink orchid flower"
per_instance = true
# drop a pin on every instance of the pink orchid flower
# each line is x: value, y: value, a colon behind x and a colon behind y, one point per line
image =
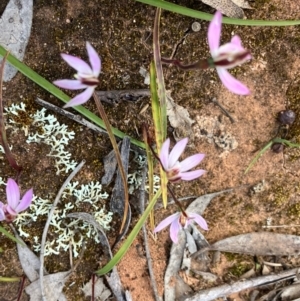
x: 14, y: 205
x: 86, y: 77
x: 178, y: 221
x: 227, y: 56
x: 176, y: 170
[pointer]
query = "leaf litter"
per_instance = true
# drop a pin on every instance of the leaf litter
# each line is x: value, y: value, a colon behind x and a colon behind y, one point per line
x: 53, y: 283
x: 191, y: 254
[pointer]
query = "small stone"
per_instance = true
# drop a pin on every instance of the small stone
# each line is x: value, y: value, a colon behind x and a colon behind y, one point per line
x: 277, y: 148
x: 286, y: 117
x: 196, y: 26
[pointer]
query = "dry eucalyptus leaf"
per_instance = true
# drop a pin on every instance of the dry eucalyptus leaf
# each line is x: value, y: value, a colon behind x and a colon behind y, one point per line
x: 262, y: 243
x: 181, y: 288
x: 53, y: 286
x: 242, y: 3
x: 291, y: 292
x: 179, y: 119
x: 29, y: 261
x: 227, y: 7
x: 199, y: 205
x: 31, y: 264
x: 15, y: 27
x: 100, y: 290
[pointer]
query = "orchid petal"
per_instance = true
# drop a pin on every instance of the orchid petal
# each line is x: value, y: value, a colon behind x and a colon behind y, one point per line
x: 174, y: 229
x: 164, y: 154
x: 231, y: 83
x: 12, y: 193
x: 236, y: 40
x: 2, y: 215
x: 94, y: 59
x: 191, y: 162
x: 77, y: 63
x: 191, y: 175
x: 80, y: 98
x: 229, y: 49
x: 11, y: 211
x: 199, y: 220
x: 70, y: 84
x: 26, y: 201
x: 176, y: 152
x: 166, y: 222
x: 214, y: 33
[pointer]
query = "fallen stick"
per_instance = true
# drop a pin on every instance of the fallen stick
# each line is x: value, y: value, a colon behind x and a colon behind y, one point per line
x: 227, y: 289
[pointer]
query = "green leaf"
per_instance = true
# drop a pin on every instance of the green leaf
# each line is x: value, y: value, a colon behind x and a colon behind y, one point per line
x: 122, y: 251
x: 204, y: 16
x: 10, y: 279
x: 10, y: 236
x: 42, y: 82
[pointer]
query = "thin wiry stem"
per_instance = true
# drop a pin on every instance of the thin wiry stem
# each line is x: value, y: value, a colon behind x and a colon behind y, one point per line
x: 118, y: 156
x: 3, y: 138
x: 44, y: 236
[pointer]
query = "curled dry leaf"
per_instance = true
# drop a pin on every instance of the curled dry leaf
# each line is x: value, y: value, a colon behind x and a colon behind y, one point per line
x: 230, y: 8
x: 53, y: 286
x: 179, y: 119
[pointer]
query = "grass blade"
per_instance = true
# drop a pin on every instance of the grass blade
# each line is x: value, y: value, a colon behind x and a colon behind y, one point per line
x: 205, y: 16
x: 122, y: 251
x: 45, y: 84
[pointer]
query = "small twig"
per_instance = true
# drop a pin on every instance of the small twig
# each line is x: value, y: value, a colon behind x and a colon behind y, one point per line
x: 272, y: 264
x: 116, y: 96
x: 21, y: 289
x: 71, y: 255
x: 70, y: 115
x: 148, y: 255
x: 44, y: 236
x: 93, y: 287
x: 281, y: 226
x: 214, y: 100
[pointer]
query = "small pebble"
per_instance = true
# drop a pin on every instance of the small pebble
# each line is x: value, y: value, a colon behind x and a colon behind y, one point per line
x: 277, y: 148
x: 196, y: 26
x: 286, y: 117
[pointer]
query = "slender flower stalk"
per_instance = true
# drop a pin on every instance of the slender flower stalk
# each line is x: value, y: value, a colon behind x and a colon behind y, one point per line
x: 226, y: 56
x: 85, y: 78
x: 178, y: 221
x: 176, y: 170
x: 15, y: 205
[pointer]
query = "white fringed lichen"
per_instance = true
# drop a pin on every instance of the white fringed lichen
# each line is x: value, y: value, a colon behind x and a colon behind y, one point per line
x: 57, y: 136
x: 50, y: 132
x: 134, y: 179
x: 65, y: 231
